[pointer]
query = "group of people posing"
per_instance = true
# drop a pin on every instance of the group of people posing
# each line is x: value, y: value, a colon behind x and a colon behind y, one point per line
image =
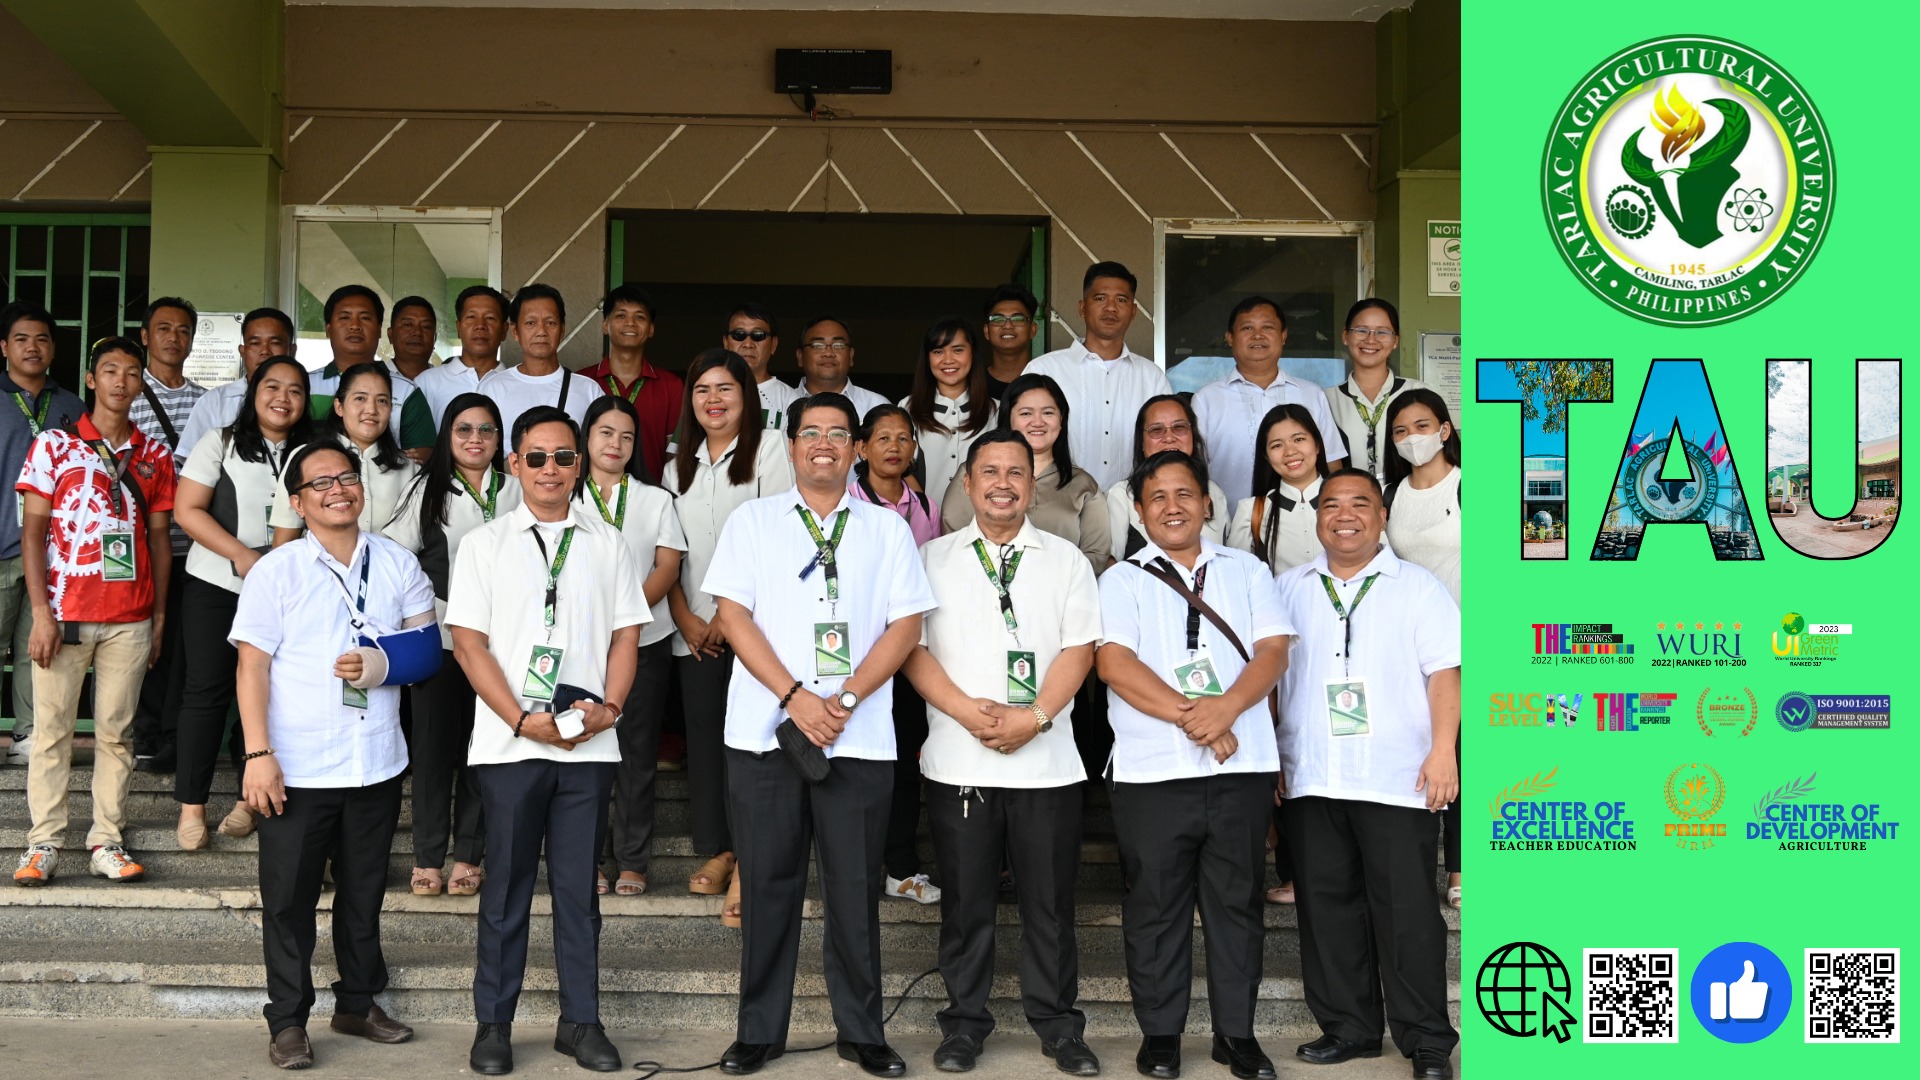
x: 1024, y: 575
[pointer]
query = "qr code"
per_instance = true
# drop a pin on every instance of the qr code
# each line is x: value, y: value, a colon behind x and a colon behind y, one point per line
x: 1853, y: 995
x: 1631, y: 996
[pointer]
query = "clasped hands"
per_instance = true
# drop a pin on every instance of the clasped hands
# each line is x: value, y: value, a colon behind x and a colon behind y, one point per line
x: 1208, y: 721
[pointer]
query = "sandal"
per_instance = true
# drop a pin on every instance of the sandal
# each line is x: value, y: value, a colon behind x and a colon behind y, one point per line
x: 718, y: 872
x: 1281, y: 894
x: 599, y: 883
x: 730, y: 912
x: 426, y: 881
x: 465, y: 882
x: 631, y: 883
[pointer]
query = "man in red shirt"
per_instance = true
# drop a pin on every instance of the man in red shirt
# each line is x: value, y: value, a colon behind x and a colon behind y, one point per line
x: 96, y: 495
x: 627, y: 319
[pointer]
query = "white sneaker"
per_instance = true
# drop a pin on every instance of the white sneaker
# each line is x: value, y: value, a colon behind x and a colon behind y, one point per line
x: 111, y: 861
x: 916, y: 888
x: 20, y: 751
x: 37, y: 865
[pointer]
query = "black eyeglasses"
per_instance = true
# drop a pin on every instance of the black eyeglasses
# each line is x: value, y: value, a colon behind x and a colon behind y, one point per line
x: 325, y: 483
x: 749, y: 335
x: 1015, y: 319
x: 537, y: 459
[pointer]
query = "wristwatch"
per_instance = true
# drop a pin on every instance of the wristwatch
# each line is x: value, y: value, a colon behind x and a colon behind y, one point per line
x: 1042, y: 722
x: 847, y: 699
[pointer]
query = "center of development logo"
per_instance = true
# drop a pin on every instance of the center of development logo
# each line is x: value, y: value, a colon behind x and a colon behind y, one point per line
x: 1688, y: 180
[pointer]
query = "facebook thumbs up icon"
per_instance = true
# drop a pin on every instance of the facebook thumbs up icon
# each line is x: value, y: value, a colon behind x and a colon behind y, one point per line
x: 1741, y: 992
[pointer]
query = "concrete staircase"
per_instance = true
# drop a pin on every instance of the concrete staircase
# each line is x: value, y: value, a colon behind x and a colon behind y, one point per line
x: 186, y: 942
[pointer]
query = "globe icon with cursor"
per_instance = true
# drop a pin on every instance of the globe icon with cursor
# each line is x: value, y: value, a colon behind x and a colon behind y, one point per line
x: 1523, y: 990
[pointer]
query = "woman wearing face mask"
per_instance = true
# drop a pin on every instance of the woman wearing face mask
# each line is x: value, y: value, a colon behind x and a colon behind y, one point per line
x: 1066, y: 500
x: 1360, y: 404
x: 225, y: 498
x: 362, y: 409
x: 463, y: 486
x: 1165, y: 422
x: 1280, y: 524
x: 950, y: 405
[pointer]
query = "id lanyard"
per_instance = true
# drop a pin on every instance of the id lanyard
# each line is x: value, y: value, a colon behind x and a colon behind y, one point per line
x: 356, y: 606
x: 825, y: 555
x: 1372, y: 420
x: 36, y: 423
x: 493, y: 493
x: 1009, y: 565
x: 632, y: 396
x: 116, y: 466
x: 1346, y: 615
x: 1193, y: 613
x: 553, y: 573
x: 618, y: 518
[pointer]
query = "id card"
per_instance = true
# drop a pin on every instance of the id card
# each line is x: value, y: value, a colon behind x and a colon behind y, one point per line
x: 1022, y: 678
x: 117, y: 557
x: 1196, y: 678
x: 832, y: 651
x: 352, y: 696
x: 543, y: 673
x: 1347, y: 707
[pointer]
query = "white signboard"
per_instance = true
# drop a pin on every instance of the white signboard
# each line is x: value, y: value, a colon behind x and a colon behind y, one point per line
x: 1440, y: 366
x: 1443, y: 258
x: 215, y: 358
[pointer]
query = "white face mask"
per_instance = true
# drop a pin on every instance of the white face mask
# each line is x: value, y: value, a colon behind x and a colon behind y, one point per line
x: 1419, y: 449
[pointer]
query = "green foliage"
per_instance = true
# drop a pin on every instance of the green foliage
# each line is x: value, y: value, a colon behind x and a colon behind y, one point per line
x: 1546, y: 386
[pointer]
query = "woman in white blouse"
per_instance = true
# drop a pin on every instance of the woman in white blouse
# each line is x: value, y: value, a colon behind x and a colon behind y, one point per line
x: 1359, y: 404
x: 1279, y: 523
x: 950, y: 405
x: 1165, y: 422
x: 362, y: 409
x: 611, y: 486
x: 725, y: 457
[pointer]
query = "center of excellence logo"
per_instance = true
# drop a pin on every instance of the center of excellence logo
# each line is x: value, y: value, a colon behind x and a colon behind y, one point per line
x: 1687, y: 180
x: 1525, y: 819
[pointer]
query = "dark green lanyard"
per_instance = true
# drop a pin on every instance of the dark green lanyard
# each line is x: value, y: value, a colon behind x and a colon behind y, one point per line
x: 36, y: 423
x: 1009, y: 566
x: 632, y: 396
x: 1346, y: 615
x: 618, y: 518
x: 493, y: 492
x: 553, y: 571
x: 824, y: 556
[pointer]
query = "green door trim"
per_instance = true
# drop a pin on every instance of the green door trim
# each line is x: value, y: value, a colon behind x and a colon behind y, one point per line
x: 115, y: 220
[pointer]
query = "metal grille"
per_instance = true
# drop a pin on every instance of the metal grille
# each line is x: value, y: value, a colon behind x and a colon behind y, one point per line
x: 88, y: 270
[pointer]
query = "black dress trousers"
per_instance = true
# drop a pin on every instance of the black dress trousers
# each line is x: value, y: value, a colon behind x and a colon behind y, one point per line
x: 631, y: 837
x: 446, y: 794
x: 703, y: 696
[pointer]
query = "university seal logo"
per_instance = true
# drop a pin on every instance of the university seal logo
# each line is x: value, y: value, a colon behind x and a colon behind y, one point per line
x: 1688, y: 180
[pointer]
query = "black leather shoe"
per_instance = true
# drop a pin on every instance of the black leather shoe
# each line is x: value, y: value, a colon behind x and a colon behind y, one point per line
x: 492, y: 1053
x: 1072, y: 1056
x: 957, y: 1053
x: 878, y: 1059
x: 588, y: 1045
x: 1159, y: 1057
x: 1332, y: 1050
x: 1431, y: 1064
x: 163, y: 760
x: 376, y: 1026
x: 1243, y: 1057
x: 744, y: 1057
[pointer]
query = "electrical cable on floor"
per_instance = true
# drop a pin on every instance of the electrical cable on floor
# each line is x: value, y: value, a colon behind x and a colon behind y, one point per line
x: 652, y: 1069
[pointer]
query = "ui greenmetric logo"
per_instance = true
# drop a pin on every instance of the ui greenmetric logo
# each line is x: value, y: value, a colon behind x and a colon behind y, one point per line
x: 1688, y: 180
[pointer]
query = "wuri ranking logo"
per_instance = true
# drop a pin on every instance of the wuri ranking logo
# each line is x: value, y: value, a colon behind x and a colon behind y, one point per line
x: 1688, y: 180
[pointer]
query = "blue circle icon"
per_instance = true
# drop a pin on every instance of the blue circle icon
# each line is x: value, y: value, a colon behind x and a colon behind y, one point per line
x: 1741, y: 992
x: 1795, y: 711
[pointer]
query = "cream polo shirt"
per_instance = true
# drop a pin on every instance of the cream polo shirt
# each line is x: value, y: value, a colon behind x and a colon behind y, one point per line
x: 649, y: 524
x: 1105, y: 398
x: 709, y: 500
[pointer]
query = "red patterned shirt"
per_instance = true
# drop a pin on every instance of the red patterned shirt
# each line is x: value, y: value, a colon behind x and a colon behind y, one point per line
x: 64, y: 468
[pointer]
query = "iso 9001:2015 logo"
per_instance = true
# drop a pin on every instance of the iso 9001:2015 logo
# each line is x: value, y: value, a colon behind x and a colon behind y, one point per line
x: 1688, y: 180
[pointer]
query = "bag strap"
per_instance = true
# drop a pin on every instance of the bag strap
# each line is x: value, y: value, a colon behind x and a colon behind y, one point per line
x: 130, y: 485
x: 1172, y: 581
x: 160, y: 414
x: 566, y: 384
x: 1259, y: 513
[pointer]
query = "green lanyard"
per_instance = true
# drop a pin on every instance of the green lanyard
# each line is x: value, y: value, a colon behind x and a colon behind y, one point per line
x: 825, y: 555
x: 493, y: 492
x: 1372, y: 420
x: 632, y: 396
x: 618, y: 518
x: 553, y: 571
x: 1001, y: 580
x: 36, y: 423
x: 1346, y: 615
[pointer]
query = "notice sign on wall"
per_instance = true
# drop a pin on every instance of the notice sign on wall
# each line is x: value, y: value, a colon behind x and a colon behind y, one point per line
x: 215, y: 358
x: 1443, y: 258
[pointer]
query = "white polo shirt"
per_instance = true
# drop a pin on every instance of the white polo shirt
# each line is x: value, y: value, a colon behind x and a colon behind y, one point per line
x: 499, y: 588
x: 1230, y: 411
x: 945, y: 452
x: 757, y: 565
x: 862, y: 399
x: 709, y: 500
x: 515, y: 393
x: 775, y: 396
x: 444, y: 383
x: 295, y: 608
x: 1405, y: 629
x: 1145, y: 615
x: 440, y: 546
x: 649, y: 524
x: 1121, y: 516
x: 1345, y: 401
x: 216, y: 409
x: 1294, y: 524
x: 1105, y: 398
x: 1056, y: 604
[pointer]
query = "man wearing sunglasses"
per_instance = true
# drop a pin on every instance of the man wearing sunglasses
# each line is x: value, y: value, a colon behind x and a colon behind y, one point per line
x: 1013, y: 318
x: 626, y: 320
x: 826, y: 364
x: 750, y: 334
x: 545, y: 608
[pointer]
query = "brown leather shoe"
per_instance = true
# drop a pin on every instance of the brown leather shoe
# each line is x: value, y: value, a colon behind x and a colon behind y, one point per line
x: 376, y: 1026
x: 290, y: 1049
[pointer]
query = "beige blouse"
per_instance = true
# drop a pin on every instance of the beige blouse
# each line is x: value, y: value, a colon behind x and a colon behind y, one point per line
x: 1077, y: 512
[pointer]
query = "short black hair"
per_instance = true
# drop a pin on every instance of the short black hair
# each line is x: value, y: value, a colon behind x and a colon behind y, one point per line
x: 758, y: 312
x: 1016, y: 293
x: 273, y: 313
x: 297, y: 464
x: 997, y: 436
x: 471, y: 291
x: 406, y: 302
x: 807, y: 327
x: 536, y: 291
x: 1137, y: 483
x: 542, y: 414
x: 1249, y: 304
x: 627, y: 293
x: 1372, y: 480
x: 826, y: 400
x: 1108, y: 268
x: 193, y: 316
x: 348, y: 292
x: 115, y: 344
x: 23, y: 311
